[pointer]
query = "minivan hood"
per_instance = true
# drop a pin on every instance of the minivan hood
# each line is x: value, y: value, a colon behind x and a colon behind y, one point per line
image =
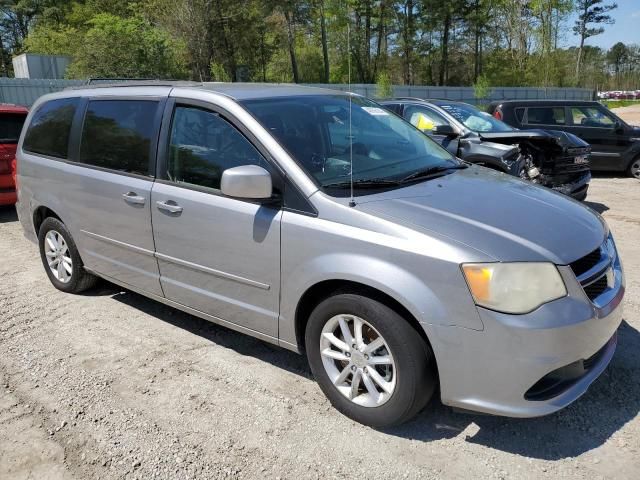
x: 505, y: 218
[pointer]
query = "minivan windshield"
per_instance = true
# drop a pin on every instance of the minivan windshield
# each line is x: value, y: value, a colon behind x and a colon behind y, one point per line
x: 474, y: 119
x: 324, y: 132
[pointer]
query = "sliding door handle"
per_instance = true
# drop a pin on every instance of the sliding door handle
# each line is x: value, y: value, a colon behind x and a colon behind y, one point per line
x: 169, y: 206
x: 133, y: 198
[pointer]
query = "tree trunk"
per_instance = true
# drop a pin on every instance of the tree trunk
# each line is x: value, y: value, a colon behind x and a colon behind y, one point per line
x: 292, y: 46
x: 325, y: 48
x: 381, y: 38
x: 444, y: 62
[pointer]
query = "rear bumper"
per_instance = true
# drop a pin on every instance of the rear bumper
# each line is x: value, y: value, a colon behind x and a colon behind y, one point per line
x: 8, y: 196
x: 499, y: 370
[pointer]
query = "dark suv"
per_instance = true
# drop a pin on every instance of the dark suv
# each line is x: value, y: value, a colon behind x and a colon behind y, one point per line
x: 553, y: 159
x: 615, y: 144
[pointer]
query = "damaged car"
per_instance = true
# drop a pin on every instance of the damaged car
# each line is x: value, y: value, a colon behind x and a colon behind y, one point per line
x: 554, y: 159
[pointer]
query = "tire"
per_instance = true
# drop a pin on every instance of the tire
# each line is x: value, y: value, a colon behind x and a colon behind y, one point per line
x: 633, y: 170
x: 68, y: 273
x: 410, y: 379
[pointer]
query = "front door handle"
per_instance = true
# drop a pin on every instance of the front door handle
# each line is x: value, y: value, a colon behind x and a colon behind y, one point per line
x: 169, y: 206
x: 133, y: 198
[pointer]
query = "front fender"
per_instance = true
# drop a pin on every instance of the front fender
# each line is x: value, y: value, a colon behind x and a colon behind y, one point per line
x: 426, y: 305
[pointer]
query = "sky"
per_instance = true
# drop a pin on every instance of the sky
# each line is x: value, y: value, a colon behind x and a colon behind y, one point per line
x: 625, y: 30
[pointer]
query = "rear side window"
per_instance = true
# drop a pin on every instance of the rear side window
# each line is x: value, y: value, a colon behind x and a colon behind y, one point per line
x: 545, y: 116
x: 519, y: 114
x: 117, y: 135
x: 11, y: 126
x: 49, y: 130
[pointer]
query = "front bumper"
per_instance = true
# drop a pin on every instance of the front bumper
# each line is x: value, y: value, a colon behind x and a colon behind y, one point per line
x: 491, y: 371
x: 7, y: 196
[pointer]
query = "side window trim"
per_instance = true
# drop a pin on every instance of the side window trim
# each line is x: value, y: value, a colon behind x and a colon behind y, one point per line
x: 77, y: 130
x: 280, y: 180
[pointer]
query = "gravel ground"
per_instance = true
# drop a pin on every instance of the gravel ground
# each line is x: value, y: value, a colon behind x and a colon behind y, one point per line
x: 113, y: 385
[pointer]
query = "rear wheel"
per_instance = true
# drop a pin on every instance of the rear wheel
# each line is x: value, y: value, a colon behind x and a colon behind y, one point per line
x: 61, y: 259
x: 634, y: 168
x: 371, y: 364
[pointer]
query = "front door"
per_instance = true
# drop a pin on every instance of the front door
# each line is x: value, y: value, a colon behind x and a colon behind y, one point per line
x: 216, y: 254
x: 426, y: 119
x: 598, y: 128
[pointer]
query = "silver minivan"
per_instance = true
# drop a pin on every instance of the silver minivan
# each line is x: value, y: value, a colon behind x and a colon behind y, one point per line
x: 318, y: 221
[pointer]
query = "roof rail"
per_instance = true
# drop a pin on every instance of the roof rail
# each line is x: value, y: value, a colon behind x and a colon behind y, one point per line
x: 135, y: 82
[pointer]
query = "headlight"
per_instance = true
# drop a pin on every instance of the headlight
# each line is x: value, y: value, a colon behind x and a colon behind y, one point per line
x: 514, y: 287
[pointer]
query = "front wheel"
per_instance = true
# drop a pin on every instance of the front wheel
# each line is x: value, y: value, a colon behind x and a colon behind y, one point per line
x: 368, y: 360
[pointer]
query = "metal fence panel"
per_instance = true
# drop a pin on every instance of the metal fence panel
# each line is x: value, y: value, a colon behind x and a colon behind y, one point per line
x: 25, y: 92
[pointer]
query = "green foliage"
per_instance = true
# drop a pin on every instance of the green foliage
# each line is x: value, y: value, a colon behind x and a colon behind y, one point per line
x: 384, y: 87
x: 125, y: 47
x: 459, y: 42
x: 481, y: 88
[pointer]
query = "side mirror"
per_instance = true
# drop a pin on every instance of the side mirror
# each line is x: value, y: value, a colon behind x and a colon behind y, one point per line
x: 446, y: 130
x: 248, y: 181
x: 618, y: 127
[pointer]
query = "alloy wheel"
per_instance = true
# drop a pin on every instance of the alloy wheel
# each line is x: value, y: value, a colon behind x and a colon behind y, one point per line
x: 358, y: 360
x: 635, y: 168
x: 58, y: 256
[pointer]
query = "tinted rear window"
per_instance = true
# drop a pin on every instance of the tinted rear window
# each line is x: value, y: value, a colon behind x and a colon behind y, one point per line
x: 520, y: 114
x: 48, y: 132
x: 117, y: 135
x: 11, y: 126
x: 545, y: 116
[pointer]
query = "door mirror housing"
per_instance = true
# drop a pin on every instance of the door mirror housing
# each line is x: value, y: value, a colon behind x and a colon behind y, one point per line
x: 446, y: 130
x: 248, y: 182
x: 618, y: 127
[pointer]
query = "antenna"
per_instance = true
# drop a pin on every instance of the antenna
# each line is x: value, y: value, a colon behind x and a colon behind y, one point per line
x: 352, y: 201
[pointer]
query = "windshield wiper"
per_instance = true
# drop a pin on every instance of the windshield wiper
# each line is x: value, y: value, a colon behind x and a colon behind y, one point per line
x: 432, y: 171
x: 364, y: 183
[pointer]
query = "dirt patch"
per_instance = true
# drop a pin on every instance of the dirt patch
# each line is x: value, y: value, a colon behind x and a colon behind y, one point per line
x: 630, y: 114
x: 113, y: 385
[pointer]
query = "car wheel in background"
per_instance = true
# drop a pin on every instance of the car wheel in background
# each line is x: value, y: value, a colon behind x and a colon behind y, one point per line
x: 61, y: 259
x: 634, y: 168
x: 369, y: 361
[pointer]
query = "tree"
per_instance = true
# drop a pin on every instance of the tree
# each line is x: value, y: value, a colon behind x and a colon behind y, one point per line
x: 124, y: 47
x: 591, y: 15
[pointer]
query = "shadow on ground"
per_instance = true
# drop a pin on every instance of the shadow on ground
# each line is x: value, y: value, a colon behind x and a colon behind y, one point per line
x: 598, y: 207
x: 8, y: 214
x: 612, y: 401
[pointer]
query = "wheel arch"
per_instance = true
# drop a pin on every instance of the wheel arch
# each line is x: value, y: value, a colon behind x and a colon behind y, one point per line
x: 40, y: 214
x: 327, y: 288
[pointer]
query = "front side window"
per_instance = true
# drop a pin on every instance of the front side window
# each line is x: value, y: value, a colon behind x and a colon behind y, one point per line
x: 545, y: 116
x: 117, y: 135
x: 423, y: 118
x: 591, y: 117
x: 203, y: 145
x: 474, y: 119
x: 48, y: 132
x: 329, y: 136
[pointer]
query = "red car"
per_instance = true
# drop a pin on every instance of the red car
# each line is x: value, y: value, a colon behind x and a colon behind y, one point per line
x: 12, y: 118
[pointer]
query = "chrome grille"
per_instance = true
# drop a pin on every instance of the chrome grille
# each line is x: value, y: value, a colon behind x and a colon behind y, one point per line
x: 584, y: 264
x: 594, y: 270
